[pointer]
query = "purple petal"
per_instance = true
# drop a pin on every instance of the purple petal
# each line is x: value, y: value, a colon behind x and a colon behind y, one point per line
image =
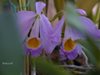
x: 81, y: 12
x: 25, y: 20
x: 45, y: 30
x: 45, y: 39
x: 56, y: 36
x: 74, y: 53
x: 36, y: 52
x: 35, y: 29
x: 72, y: 33
x: 62, y: 55
x: 47, y: 23
x: 90, y: 27
x: 39, y: 7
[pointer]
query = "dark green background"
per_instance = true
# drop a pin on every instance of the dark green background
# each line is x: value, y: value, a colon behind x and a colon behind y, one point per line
x: 11, y: 53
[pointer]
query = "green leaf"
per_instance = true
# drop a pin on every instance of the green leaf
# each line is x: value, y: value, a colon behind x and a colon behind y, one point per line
x: 47, y: 68
x: 59, y: 5
x: 11, y: 52
x: 60, y: 13
x: 30, y: 5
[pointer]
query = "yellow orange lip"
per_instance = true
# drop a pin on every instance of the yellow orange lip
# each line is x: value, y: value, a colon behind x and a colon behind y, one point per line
x: 33, y: 42
x: 69, y: 45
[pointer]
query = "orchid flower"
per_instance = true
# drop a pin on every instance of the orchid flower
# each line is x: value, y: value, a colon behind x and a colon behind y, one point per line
x: 42, y: 36
x: 71, y: 49
x: 88, y: 25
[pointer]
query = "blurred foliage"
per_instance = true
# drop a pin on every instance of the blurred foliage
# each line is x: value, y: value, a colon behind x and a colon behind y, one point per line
x: 87, y: 5
x: 59, y: 5
x: 59, y: 14
x: 30, y: 4
x: 16, y: 2
x: 96, y: 13
x: 48, y: 68
x: 11, y: 52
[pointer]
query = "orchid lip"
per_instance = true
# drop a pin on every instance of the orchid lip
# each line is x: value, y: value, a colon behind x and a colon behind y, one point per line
x: 69, y: 45
x: 33, y: 43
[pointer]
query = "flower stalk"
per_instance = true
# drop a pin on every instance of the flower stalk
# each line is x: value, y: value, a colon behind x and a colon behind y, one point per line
x: 20, y: 4
x: 24, y: 4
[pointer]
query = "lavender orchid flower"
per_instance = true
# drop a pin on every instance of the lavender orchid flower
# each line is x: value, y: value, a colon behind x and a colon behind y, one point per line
x: 42, y: 34
x: 70, y: 47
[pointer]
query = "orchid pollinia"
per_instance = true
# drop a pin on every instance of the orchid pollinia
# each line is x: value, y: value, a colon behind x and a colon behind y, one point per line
x: 42, y: 36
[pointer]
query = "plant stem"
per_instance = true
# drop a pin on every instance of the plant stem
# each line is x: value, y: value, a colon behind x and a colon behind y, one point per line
x: 24, y: 4
x: 77, y: 67
x: 20, y: 5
